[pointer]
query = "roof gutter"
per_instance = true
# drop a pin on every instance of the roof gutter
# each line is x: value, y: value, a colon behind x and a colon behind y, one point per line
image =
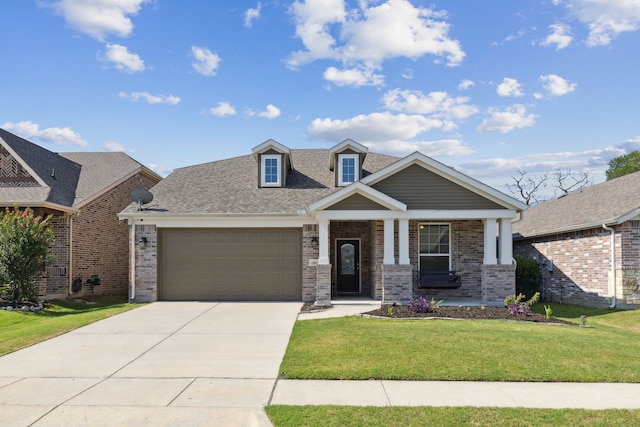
x: 612, y: 287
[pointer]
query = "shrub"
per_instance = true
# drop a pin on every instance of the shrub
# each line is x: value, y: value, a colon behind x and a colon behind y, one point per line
x: 419, y: 305
x: 517, y: 306
x: 25, y: 247
x: 527, y: 276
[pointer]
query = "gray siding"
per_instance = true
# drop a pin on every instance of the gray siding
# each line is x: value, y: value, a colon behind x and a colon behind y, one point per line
x: 356, y: 203
x: 419, y: 188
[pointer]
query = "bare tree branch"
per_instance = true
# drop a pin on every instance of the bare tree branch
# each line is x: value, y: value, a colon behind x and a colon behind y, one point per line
x: 568, y: 181
x: 525, y: 187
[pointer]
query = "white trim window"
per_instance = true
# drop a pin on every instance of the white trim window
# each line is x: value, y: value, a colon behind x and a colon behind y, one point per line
x: 435, y: 247
x: 348, y: 169
x: 271, y: 170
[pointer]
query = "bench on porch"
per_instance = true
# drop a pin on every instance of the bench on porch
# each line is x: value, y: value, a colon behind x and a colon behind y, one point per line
x: 439, y: 279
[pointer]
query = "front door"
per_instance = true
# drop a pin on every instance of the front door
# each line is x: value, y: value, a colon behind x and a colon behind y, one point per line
x: 348, y: 265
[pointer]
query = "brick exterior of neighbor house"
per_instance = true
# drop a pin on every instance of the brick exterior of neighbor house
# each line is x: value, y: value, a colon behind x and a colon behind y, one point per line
x: 571, y: 238
x: 80, y: 194
x: 581, y: 265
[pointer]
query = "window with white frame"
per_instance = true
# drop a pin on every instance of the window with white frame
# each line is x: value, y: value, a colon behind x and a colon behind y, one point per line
x: 435, y: 247
x: 348, y: 169
x: 271, y: 170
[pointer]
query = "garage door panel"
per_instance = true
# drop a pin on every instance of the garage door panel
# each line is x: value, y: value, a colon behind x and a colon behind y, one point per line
x: 221, y: 264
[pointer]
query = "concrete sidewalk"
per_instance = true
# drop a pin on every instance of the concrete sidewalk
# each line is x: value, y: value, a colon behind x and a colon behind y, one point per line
x: 457, y: 393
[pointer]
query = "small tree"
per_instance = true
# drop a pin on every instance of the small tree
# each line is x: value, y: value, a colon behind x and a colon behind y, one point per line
x: 25, y: 248
x: 527, y: 277
x: 623, y: 165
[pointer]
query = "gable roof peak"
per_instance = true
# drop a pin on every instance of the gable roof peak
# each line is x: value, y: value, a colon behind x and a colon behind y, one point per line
x: 348, y: 143
x: 270, y: 144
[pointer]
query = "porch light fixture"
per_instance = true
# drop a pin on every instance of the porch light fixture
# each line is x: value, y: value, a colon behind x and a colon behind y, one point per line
x: 314, y: 242
x: 142, y: 243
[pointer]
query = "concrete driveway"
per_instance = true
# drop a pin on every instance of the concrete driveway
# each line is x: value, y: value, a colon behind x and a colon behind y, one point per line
x: 167, y: 363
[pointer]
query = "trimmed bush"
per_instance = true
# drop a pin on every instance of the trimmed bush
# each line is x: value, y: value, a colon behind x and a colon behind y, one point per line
x: 527, y: 277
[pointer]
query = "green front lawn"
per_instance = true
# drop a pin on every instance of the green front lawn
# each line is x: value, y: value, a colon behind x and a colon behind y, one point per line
x: 347, y: 416
x: 22, y: 329
x: 363, y: 348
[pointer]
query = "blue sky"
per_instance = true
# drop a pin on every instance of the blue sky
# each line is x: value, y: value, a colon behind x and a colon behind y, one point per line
x: 488, y: 87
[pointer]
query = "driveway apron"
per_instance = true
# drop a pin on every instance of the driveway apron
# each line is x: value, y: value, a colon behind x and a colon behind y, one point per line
x: 166, y: 363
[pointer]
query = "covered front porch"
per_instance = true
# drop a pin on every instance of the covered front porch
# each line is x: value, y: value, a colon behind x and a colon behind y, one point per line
x: 381, y: 258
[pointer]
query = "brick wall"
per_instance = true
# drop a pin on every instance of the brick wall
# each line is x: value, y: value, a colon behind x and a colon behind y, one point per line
x: 146, y: 279
x: 56, y: 284
x: 100, y: 239
x: 497, y: 282
x: 396, y: 283
x: 309, y: 231
x: 581, y: 265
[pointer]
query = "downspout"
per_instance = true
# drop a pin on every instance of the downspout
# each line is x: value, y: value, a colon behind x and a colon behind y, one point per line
x: 612, y: 289
x: 70, y: 291
x: 132, y: 243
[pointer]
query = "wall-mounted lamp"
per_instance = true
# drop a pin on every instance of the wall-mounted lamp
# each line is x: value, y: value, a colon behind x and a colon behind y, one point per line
x: 142, y: 242
x: 314, y: 242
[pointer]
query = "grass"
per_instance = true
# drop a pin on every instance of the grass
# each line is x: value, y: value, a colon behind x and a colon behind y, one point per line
x: 21, y: 329
x: 346, y: 416
x: 361, y: 348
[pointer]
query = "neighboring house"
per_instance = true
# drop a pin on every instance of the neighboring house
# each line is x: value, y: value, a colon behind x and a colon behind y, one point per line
x: 312, y: 225
x: 80, y: 194
x: 587, y: 244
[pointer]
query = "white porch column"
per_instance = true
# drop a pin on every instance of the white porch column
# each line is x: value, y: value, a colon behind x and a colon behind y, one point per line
x: 403, y: 242
x: 323, y: 241
x: 506, y: 242
x: 388, y: 259
x: 490, y: 241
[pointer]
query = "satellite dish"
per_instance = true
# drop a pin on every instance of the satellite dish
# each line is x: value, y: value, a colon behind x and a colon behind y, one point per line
x: 141, y: 197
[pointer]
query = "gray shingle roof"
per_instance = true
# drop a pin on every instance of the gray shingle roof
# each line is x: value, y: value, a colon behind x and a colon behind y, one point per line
x: 605, y: 203
x: 71, y: 178
x: 59, y: 174
x: 231, y: 186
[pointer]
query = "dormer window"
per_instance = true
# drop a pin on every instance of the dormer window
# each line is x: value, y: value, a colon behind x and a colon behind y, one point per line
x: 271, y: 170
x: 348, y: 169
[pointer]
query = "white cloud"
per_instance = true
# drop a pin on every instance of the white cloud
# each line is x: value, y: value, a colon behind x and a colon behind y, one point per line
x: 163, y: 171
x: 223, y: 109
x: 363, y: 38
x: 440, y: 148
x: 204, y: 62
x: 436, y: 104
x: 122, y: 59
x: 251, y: 15
x: 466, y: 84
x: 556, y: 85
x: 514, y: 117
x: 271, y: 112
x: 605, y: 18
x: 509, y: 87
x: 97, y: 18
x: 560, y: 36
x: 353, y: 77
x: 28, y: 129
x: 375, y: 127
x: 116, y: 147
x: 151, y: 99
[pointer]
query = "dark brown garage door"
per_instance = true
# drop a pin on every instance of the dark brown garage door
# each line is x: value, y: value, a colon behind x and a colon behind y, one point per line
x: 231, y: 264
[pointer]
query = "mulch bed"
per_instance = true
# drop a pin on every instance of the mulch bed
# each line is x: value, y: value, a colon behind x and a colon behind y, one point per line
x: 452, y: 312
x: 466, y: 313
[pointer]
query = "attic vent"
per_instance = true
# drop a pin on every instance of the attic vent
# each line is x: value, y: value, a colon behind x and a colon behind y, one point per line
x: 53, y: 173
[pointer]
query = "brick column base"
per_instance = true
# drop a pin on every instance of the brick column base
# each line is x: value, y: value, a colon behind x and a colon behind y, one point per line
x: 497, y: 282
x: 323, y: 285
x: 396, y: 283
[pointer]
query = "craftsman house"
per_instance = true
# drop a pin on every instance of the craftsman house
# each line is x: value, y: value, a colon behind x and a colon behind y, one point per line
x: 80, y: 194
x: 317, y: 224
x: 587, y: 244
